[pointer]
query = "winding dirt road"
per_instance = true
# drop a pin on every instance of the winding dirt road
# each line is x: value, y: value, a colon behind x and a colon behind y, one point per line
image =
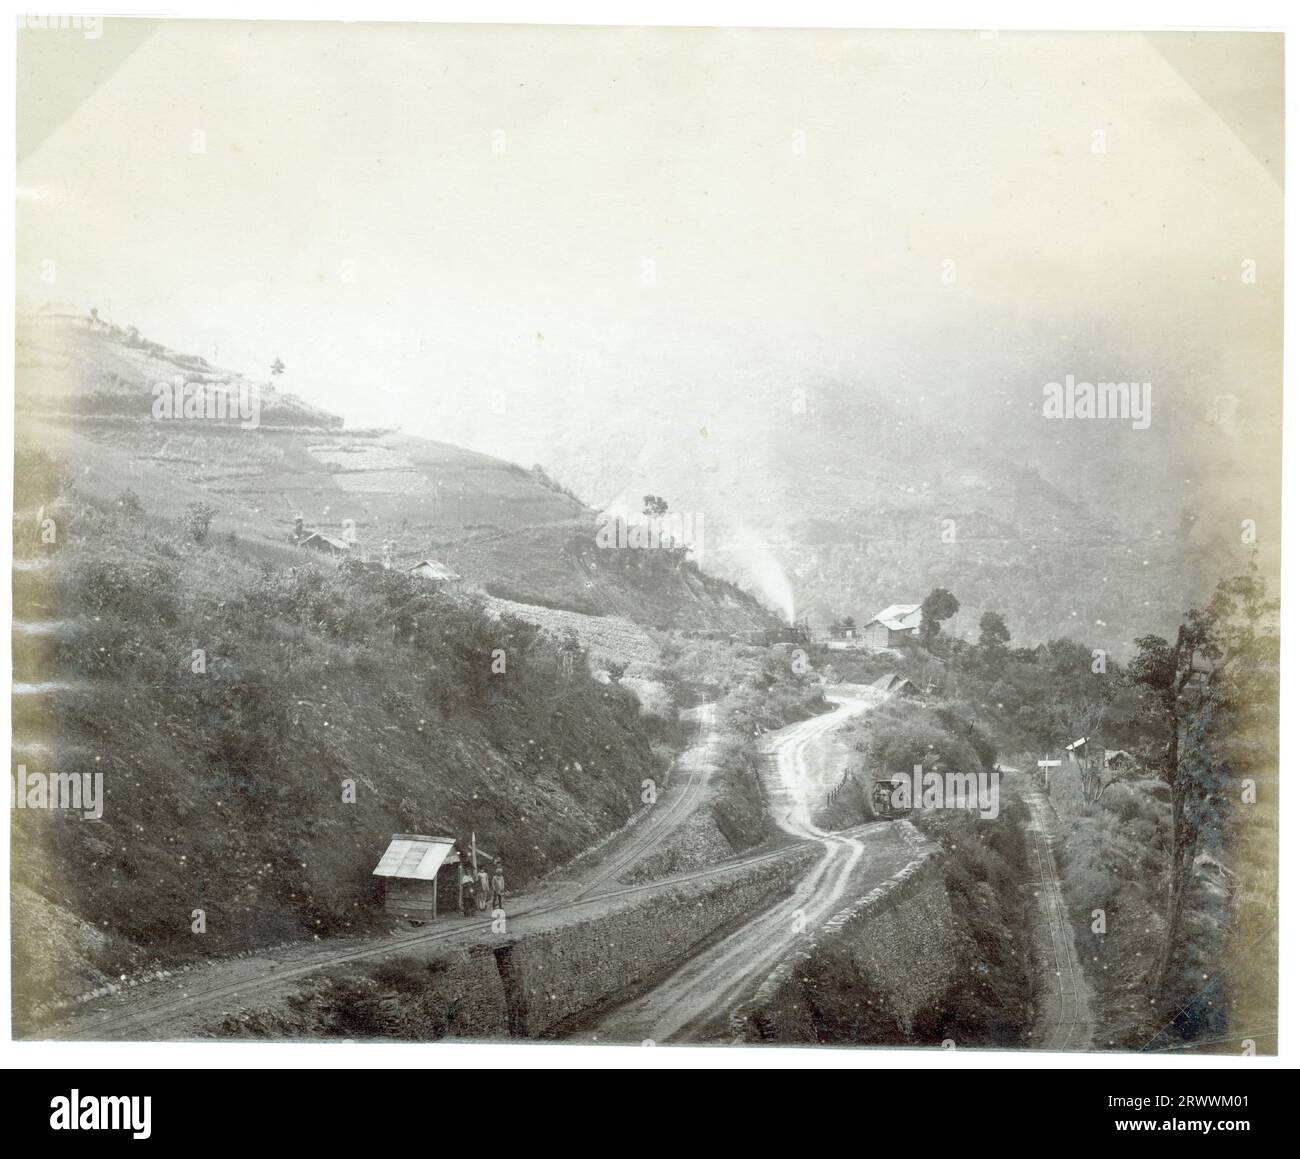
x: 696, y: 765
x: 694, y: 1002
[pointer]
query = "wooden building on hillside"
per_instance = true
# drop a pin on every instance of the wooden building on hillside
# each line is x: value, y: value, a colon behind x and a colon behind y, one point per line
x: 410, y: 867
x: 892, y: 627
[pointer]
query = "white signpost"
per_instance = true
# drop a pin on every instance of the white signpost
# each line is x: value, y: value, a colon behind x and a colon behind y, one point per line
x: 1045, y: 766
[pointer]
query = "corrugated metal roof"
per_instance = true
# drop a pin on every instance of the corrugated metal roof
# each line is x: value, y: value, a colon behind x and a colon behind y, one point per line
x: 414, y: 856
x: 900, y: 617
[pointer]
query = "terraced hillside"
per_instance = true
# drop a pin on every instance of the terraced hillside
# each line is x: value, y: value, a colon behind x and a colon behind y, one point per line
x: 86, y: 392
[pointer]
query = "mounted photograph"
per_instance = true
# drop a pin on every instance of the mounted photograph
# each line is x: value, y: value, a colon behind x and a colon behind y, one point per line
x: 665, y: 536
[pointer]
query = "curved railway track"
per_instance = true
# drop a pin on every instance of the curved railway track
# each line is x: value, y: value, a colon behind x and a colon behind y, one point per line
x: 110, y: 1024
x: 663, y: 821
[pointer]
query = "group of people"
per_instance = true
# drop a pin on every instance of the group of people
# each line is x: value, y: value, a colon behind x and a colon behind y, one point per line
x: 478, y: 890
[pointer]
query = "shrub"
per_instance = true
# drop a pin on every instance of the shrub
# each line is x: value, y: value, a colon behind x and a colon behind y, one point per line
x: 198, y: 518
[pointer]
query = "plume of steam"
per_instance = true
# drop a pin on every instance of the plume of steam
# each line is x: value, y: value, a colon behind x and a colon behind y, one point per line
x: 753, y: 562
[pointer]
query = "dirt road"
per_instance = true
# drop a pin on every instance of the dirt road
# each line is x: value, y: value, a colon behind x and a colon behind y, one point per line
x: 694, y: 1002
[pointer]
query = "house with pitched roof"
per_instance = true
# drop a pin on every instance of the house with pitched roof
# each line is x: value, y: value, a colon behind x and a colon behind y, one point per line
x: 892, y: 626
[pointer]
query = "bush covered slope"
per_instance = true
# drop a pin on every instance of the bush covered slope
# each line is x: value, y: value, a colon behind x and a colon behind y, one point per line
x: 228, y: 701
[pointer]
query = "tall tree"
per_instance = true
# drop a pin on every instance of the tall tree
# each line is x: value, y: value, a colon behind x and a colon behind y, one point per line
x: 1218, y: 666
x: 938, y: 606
x: 994, y: 633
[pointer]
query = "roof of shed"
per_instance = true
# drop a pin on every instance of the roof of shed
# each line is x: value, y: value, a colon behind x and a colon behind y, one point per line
x: 415, y: 856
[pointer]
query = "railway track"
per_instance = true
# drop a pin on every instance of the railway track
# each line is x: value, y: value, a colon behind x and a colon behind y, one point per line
x: 665, y: 820
x: 712, y: 984
x: 121, y: 1024
x: 600, y: 888
x: 1069, y: 1030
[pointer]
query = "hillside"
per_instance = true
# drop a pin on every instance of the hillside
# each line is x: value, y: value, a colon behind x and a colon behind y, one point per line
x: 261, y: 733
x: 87, y: 392
x: 265, y: 717
x: 838, y: 488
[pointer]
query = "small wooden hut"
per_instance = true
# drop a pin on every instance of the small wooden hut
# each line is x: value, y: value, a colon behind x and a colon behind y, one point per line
x: 410, y: 868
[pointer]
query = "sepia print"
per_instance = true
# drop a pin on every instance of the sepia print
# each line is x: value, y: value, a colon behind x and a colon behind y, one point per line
x: 647, y: 535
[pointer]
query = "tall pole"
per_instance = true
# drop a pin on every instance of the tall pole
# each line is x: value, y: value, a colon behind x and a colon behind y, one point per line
x: 473, y: 853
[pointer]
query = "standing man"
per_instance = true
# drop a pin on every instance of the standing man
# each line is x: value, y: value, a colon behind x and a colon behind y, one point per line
x: 466, y: 891
x: 498, y: 887
x: 482, y: 891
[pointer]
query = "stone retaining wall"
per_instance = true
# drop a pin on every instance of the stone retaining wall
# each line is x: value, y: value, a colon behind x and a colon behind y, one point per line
x: 543, y: 980
x: 866, y: 973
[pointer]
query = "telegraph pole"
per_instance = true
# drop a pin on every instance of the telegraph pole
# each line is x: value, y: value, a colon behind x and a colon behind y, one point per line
x: 1047, y: 765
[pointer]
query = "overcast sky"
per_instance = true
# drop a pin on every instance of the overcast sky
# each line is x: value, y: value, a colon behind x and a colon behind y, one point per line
x: 416, y: 217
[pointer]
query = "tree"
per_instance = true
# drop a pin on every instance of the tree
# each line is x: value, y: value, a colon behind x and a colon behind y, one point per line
x: 198, y: 518
x: 994, y: 634
x: 938, y: 606
x: 1218, y: 666
x: 655, y: 505
x: 277, y: 367
x: 1089, y: 757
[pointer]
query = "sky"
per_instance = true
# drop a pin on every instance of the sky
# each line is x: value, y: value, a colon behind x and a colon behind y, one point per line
x: 493, y: 235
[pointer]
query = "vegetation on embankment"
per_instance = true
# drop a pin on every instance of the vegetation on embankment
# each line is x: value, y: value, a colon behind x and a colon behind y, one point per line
x: 985, y: 864
x: 755, y: 690
x: 1168, y: 857
x: 894, y: 738
x: 990, y: 998
x: 552, y: 979
x: 263, y: 732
